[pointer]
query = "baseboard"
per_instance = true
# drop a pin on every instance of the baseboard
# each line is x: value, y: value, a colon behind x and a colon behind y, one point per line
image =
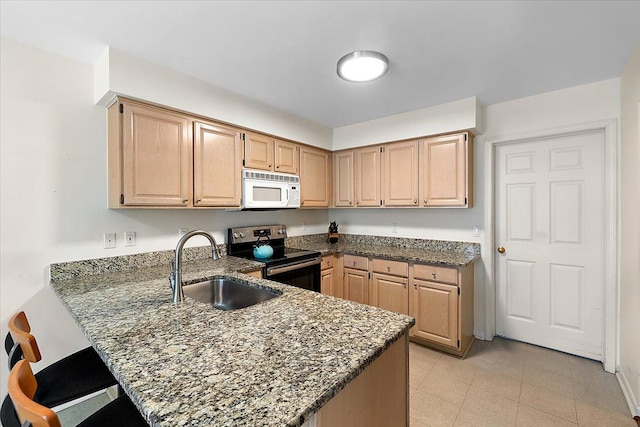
x: 630, y: 397
x: 479, y: 334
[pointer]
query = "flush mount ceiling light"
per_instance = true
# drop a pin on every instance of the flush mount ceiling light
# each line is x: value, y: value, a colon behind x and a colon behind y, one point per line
x: 362, y: 66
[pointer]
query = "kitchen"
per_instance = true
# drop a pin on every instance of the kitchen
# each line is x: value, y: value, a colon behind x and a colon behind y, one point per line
x: 59, y: 213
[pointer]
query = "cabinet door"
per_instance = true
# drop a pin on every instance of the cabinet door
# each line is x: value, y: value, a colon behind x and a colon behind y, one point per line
x: 315, y: 177
x: 327, y: 282
x: 286, y: 157
x: 258, y: 151
x: 156, y: 157
x: 356, y: 285
x: 400, y: 174
x: 445, y: 171
x: 367, y: 162
x: 217, y: 165
x: 389, y: 293
x: 436, y: 312
x: 343, y: 178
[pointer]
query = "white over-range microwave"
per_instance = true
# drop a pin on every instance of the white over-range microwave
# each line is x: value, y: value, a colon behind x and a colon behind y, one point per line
x: 269, y: 190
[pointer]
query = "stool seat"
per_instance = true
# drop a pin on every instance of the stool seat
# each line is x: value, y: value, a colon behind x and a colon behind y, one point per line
x: 68, y: 379
x: 23, y: 386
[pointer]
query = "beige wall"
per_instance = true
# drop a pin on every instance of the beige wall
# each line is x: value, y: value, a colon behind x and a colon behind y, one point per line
x: 629, y: 369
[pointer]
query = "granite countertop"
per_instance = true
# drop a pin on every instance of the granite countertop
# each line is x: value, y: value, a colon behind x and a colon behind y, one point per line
x: 272, y: 364
x: 455, y: 254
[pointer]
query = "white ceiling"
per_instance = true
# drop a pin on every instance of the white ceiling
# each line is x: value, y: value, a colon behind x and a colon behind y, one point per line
x: 284, y: 53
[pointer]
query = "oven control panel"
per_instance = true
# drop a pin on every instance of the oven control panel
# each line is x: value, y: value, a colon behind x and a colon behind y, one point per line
x: 251, y: 234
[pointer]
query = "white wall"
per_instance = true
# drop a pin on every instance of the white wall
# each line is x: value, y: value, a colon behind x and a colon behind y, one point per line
x: 465, y: 114
x: 630, y: 231
x: 53, y: 190
x: 119, y: 73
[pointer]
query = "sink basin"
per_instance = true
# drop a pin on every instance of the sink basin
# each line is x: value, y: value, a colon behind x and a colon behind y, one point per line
x: 228, y: 294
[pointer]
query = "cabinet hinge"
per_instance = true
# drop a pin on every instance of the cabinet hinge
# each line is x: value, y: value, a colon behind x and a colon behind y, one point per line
x: 465, y: 200
x: 121, y: 108
x: 380, y: 202
x: 242, y: 162
x: 122, y: 199
x: 465, y: 137
x: 381, y: 149
x: 458, y: 343
x: 458, y: 291
x: 243, y: 136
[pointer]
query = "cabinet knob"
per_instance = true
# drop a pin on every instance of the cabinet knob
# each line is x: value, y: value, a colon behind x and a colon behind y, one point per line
x: 388, y: 269
x: 185, y: 200
x: 404, y: 285
x: 425, y: 201
x: 434, y: 275
x: 501, y: 249
x: 415, y: 286
x: 198, y: 201
x: 354, y: 263
x: 269, y: 164
x: 278, y: 167
x: 415, y: 201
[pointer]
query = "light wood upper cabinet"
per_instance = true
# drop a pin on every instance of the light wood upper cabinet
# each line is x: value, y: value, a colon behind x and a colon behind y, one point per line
x: 258, y: 151
x: 343, y: 174
x: 400, y: 174
x: 446, y: 171
x: 217, y: 165
x: 150, y: 154
x: 367, y: 179
x: 315, y: 177
x: 286, y: 157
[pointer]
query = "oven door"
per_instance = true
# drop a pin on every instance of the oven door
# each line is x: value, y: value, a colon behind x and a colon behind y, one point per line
x: 304, y: 274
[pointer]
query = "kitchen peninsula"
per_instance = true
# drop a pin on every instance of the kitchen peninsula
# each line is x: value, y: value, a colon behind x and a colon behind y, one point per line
x: 298, y: 357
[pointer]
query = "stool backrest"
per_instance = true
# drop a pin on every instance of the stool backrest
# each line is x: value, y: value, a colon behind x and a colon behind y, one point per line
x: 22, y: 388
x: 20, y: 332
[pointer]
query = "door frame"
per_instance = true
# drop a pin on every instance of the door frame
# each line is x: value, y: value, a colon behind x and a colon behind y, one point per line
x: 610, y: 227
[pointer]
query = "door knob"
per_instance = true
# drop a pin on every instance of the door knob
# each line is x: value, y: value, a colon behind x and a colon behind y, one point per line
x: 501, y: 249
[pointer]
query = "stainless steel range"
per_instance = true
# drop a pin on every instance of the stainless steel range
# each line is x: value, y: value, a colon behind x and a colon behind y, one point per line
x: 296, y: 267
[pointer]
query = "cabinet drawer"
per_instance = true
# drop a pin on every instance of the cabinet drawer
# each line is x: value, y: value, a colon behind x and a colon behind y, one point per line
x: 328, y: 261
x: 435, y: 273
x: 386, y: 266
x: 357, y: 262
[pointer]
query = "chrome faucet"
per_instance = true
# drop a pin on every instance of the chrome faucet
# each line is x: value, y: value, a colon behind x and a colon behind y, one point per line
x: 175, y: 277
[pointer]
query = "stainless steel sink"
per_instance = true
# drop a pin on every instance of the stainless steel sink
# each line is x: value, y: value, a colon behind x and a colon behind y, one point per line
x: 228, y: 294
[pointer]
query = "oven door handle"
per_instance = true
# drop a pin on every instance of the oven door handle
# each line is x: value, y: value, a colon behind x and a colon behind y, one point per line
x: 290, y: 267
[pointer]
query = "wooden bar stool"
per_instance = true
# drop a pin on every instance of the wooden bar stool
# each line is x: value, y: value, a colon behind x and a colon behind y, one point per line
x: 68, y: 379
x: 23, y: 387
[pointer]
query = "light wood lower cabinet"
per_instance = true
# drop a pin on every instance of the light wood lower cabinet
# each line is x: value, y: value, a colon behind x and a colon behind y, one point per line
x: 441, y: 300
x: 389, y: 285
x: 330, y: 275
x: 378, y: 397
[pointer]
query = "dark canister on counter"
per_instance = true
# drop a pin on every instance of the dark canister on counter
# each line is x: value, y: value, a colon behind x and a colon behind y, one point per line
x: 333, y: 232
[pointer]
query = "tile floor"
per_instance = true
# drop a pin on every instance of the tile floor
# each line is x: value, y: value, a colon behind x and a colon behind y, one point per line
x: 509, y: 383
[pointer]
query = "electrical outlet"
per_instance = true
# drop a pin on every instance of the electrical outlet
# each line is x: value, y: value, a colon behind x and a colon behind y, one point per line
x: 182, y: 231
x: 476, y: 231
x: 109, y: 240
x: 129, y: 238
x: 395, y: 227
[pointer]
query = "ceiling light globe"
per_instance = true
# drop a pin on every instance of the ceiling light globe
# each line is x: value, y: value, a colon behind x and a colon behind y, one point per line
x: 362, y: 66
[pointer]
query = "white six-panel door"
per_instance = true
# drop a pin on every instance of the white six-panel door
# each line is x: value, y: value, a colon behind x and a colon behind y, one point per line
x: 549, y: 220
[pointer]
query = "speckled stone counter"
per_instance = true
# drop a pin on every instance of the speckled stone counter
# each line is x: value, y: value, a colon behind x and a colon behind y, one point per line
x: 457, y: 254
x: 272, y: 364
